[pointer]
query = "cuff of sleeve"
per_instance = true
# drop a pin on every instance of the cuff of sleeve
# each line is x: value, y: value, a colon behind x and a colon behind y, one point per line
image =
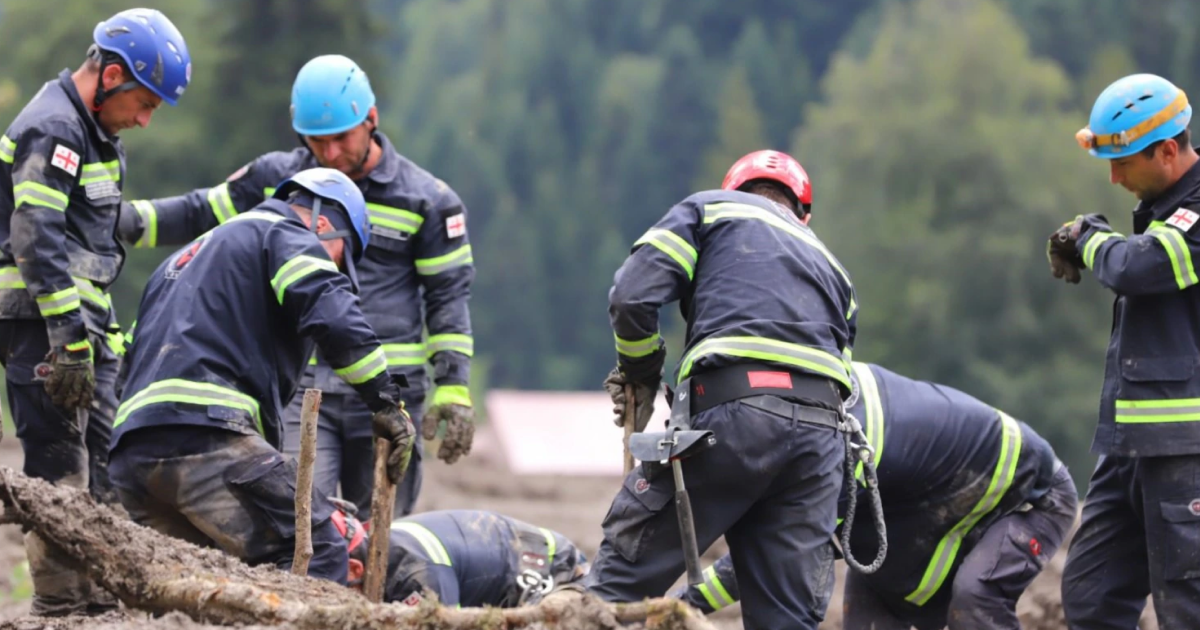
x: 65, y: 330
x: 451, y: 395
x: 645, y: 370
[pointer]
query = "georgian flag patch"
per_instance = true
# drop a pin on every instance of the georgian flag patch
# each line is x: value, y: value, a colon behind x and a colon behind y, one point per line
x: 456, y: 226
x: 1183, y: 219
x: 66, y: 159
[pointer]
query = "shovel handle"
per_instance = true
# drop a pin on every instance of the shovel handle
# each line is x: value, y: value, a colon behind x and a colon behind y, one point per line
x: 629, y: 424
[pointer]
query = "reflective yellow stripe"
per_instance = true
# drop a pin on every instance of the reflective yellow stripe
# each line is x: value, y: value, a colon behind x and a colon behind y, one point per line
x: 177, y: 390
x: 268, y: 192
x: 433, y: 266
x: 10, y: 278
x: 58, y: 302
x: 221, y: 202
x: 1162, y: 410
x: 638, y: 348
x: 714, y: 212
x: 714, y: 591
x: 404, y: 353
x: 672, y: 245
x: 297, y: 268
x: 149, y: 216
x: 79, y: 345
x: 430, y: 543
x: 1002, y: 478
x: 1172, y: 240
x: 100, y: 171
x: 364, y: 369
x: 451, y: 395
x: 394, y: 218
x: 792, y: 354
x: 1093, y: 245
x: 451, y: 342
x: 551, y: 547
x: 8, y: 149
x: 868, y: 389
x: 36, y: 194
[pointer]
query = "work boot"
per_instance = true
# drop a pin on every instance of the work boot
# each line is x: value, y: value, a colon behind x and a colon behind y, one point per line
x: 58, y: 588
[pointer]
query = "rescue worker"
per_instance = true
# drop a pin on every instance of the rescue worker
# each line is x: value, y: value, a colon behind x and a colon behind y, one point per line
x: 62, y: 170
x: 771, y: 320
x: 976, y: 504
x: 225, y: 327
x: 1140, y: 529
x: 467, y: 558
x: 416, y: 274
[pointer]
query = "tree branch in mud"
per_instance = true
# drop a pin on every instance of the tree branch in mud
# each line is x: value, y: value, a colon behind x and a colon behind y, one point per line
x: 150, y: 571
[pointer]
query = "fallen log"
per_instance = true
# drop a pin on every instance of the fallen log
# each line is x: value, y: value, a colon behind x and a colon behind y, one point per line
x: 152, y: 572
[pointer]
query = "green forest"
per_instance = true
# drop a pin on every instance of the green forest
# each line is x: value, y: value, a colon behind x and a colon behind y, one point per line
x: 938, y: 134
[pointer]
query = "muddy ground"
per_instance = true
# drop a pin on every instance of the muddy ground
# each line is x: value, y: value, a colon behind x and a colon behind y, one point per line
x: 572, y: 505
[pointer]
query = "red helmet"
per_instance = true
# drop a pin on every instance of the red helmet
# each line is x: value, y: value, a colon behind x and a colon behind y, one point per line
x: 775, y: 166
x: 352, y: 530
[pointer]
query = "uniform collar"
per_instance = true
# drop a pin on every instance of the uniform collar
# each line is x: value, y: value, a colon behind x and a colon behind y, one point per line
x: 389, y: 161
x: 1168, y: 202
x: 68, y: 85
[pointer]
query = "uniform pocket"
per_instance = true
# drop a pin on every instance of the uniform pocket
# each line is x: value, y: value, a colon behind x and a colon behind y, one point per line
x: 634, y: 515
x: 268, y: 489
x: 1017, y: 562
x: 384, y: 239
x: 1158, y: 369
x: 1181, y: 539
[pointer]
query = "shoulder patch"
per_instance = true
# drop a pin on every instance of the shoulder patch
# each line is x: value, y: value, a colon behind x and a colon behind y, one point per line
x: 456, y: 225
x: 65, y: 158
x: 1183, y: 219
x: 239, y: 173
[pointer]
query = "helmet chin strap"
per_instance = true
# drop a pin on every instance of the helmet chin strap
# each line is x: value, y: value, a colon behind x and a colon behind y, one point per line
x: 102, y: 94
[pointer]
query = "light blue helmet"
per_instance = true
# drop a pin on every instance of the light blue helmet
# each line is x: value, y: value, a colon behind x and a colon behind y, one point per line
x: 331, y: 185
x: 331, y: 94
x: 1133, y: 113
x: 151, y: 48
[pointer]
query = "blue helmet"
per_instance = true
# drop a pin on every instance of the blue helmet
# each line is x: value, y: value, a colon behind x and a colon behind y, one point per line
x: 151, y: 48
x: 1133, y: 113
x: 331, y: 94
x: 331, y: 185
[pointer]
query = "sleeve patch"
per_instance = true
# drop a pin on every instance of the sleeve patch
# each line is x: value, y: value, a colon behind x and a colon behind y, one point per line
x: 238, y: 173
x: 1183, y: 219
x: 456, y: 225
x: 65, y: 159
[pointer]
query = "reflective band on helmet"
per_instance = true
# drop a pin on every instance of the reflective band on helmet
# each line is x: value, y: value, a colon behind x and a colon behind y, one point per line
x: 947, y: 550
x: 429, y: 542
x: 1089, y: 140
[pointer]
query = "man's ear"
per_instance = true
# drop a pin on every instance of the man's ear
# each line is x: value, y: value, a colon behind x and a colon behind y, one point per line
x: 112, y: 76
x: 355, y: 572
x: 323, y: 225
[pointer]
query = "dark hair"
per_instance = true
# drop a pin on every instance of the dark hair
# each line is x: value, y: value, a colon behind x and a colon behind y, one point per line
x: 1183, y: 139
x: 776, y: 192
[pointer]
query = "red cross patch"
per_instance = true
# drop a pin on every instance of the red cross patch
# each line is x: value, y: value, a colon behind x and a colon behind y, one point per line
x: 456, y: 226
x: 65, y: 159
x: 1183, y: 219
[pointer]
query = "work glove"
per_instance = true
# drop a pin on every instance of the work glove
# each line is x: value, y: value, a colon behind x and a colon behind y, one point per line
x: 643, y: 399
x: 1065, y: 261
x: 393, y: 424
x: 451, y: 404
x: 72, y: 379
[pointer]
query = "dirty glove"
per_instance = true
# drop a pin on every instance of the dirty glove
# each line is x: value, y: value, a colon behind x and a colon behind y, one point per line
x: 72, y: 379
x: 393, y: 424
x: 643, y: 399
x: 1065, y: 261
x: 452, y: 404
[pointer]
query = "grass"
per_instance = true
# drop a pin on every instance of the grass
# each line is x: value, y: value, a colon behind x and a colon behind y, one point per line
x: 22, y: 584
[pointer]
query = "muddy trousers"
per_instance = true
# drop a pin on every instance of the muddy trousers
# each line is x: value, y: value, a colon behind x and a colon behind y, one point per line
x: 769, y: 485
x: 982, y: 590
x: 1139, y: 536
x: 346, y: 450
x: 59, y: 446
x: 219, y: 488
